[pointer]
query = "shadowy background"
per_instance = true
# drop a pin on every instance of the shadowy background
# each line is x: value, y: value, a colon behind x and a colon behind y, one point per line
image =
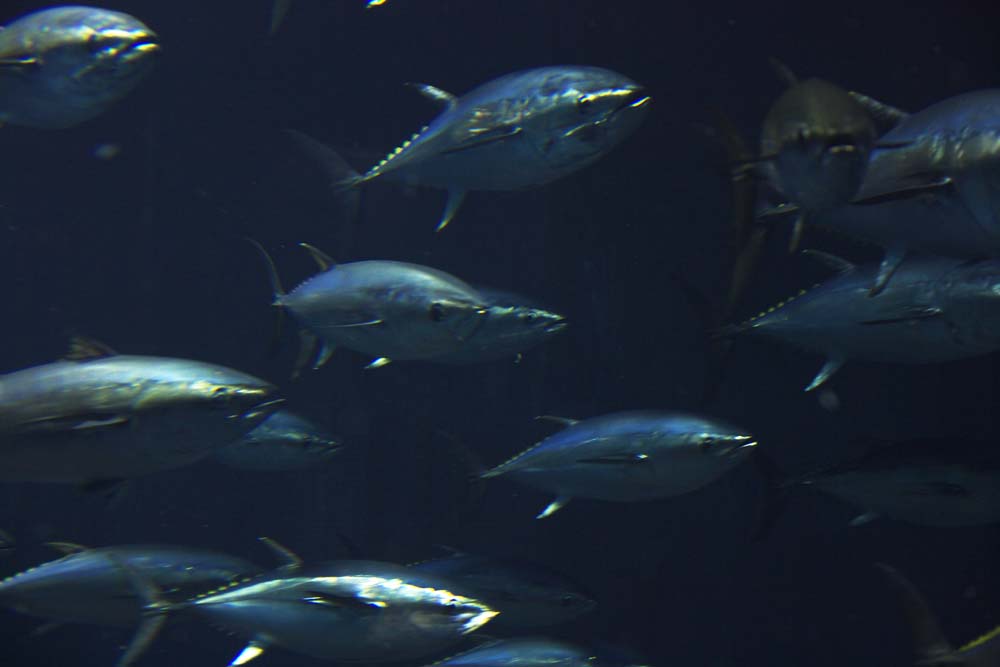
x: 144, y: 252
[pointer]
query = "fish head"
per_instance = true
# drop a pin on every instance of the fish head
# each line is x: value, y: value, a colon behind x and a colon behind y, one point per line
x: 730, y: 446
x: 96, y: 53
x: 460, y: 317
x: 207, y: 392
x: 819, y: 140
x: 589, y: 111
x: 521, y: 323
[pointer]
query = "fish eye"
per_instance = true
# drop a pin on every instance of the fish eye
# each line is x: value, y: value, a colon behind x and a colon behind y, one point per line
x: 529, y: 319
x: 583, y: 103
x: 221, y: 394
x: 436, y: 312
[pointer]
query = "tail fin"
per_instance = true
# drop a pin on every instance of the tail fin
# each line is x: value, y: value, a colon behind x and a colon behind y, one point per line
x: 154, y: 611
x: 775, y: 495
x: 930, y: 646
x: 277, y: 291
x: 342, y: 178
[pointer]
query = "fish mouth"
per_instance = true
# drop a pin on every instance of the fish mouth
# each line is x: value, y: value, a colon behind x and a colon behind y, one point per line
x: 635, y: 98
x: 556, y: 326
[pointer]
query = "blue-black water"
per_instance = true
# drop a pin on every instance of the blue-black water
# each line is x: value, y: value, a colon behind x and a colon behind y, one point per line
x: 146, y: 252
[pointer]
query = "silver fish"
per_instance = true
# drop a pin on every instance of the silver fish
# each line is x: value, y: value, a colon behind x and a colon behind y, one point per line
x: 527, y: 595
x: 346, y: 611
x: 934, y: 309
x: 284, y: 441
x: 85, y: 586
x: 389, y: 310
x: 628, y: 456
x: 62, y: 66
x: 524, y: 652
x: 98, y: 416
x: 519, y: 130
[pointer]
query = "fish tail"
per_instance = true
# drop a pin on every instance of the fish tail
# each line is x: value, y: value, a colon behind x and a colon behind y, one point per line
x: 154, y: 611
x: 343, y: 179
x: 775, y: 498
x: 278, y: 292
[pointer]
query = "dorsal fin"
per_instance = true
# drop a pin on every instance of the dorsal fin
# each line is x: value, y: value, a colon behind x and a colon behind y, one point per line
x: 86, y: 349
x: 784, y: 72
x: 885, y: 116
x: 435, y: 94
x: 291, y: 560
x: 564, y: 421
x: 67, y: 548
x: 838, y: 264
x: 324, y: 261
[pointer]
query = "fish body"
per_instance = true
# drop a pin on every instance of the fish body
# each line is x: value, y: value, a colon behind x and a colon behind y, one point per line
x: 629, y: 456
x: 527, y: 595
x: 929, y: 482
x: 99, y: 416
x: 511, y: 326
x: 818, y: 140
x: 346, y: 611
x: 523, y: 129
x: 387, y: 309
x: 283, y: 441
x: 62, y: 66
x: 86, y: 587
x: 934, y: 309
x: 523, y: 652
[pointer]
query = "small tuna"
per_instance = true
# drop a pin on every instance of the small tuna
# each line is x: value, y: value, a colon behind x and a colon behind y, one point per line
x: 284, y: 441
x: 527, y: 595
x: 523, y: 652
x: 389, y: 310
x: 935, y: 309
x: 62, y: 66
x: 345, y: 611
x: 816, y: 140
x: 927, y: 482
x: 511, y: 326
x: 98, y: 417
x: 930, y: 646
x: 85, y: 586
x: 628, y: 456
x: 519, y: 130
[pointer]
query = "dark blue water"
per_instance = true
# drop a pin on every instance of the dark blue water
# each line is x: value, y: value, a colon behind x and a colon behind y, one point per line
x: 144, y: 252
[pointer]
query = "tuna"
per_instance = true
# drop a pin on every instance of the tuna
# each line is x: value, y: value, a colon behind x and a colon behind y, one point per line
x: 284, y: 441
x: 628, y: 457
x: 62, y: 66
x: 935, y: 309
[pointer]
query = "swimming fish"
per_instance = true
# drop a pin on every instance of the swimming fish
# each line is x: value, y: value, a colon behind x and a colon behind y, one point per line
x: 526, y: 594
x: 283, y: 441
x: 520, y: 130
x: 84, y: 586
x: 344, y: 611
x: 930, y: 646
x: 628, y: 456
x: 97, y: 417
x: 511, y: 326
x: 815, y: 145
x: 523, y: 652
x: 928, y: 482
x: 934, y: 309
x: 62, y: 66
x: 389, y: 310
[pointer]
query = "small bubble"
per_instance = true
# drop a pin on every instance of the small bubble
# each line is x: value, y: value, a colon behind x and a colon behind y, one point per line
x: 107, y: 151
x: 829, y: 400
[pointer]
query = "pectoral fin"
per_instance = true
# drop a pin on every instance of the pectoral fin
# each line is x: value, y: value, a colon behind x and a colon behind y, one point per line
x: 554, y: 507
x: 378, y: 363
x: 480, y: 138
x: 18, y: 63
x: 862, y: 519
x: 564, y: 421
x: 904, y: 188
x: 67, y: 548
x: 838, y: 264
x: 623, y: 459
x: 831, y: 366
x: 909, y: 315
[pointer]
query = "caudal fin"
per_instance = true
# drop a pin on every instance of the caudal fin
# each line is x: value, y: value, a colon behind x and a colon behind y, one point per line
x: 341, y: 177
x: 929, y: 643
x: 154, y: 611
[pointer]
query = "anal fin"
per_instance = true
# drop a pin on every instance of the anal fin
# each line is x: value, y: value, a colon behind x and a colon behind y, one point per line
x: 831, y: 366
x: 252, y: 650
x: 455, y: 199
